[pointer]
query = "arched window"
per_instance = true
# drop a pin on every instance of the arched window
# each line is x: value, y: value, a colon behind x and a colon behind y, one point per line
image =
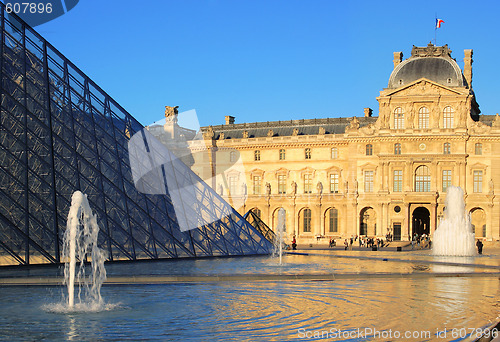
x: 369, y: 149
x: 448, y: 117
x: 423, y: 118
x: 333, y: 220
x: 446, y: 148
x: 306, y: 220
x: 256, y: 155
x: 397, y: 148
x: 422, y: 179
x: 478, y: 149
x: 399, y: 118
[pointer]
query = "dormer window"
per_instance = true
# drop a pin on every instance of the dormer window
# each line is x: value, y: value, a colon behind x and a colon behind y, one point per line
x: 400, y: 82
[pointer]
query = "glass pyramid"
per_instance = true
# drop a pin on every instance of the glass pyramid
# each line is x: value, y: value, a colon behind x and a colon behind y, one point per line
x: 258, y: 224
x: 60, y: 132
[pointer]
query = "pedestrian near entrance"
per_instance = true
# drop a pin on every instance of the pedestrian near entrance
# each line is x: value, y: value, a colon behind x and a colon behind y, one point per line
x: 479, y: 245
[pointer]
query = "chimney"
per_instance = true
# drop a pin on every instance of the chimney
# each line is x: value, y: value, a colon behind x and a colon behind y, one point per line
x: 229, y: 120
x: 368, y: 112
x: 398, y: 57
x: 468, y: 67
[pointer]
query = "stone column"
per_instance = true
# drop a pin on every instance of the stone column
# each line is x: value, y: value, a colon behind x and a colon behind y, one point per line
x: 489, y: 222
x: 462, y: 176
x: 405, y: 228
x: 433, y: 218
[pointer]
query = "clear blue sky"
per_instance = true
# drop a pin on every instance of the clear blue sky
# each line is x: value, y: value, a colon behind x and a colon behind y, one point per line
x: 266, y: 60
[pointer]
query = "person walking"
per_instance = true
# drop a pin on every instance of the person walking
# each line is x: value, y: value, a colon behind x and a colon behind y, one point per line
x: 479, y: 245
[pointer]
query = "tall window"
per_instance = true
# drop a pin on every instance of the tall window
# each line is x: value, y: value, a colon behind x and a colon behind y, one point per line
x: 256, y: 155
x: 307, y: 220
x: 282, y: 154
x: 308, y: 153
x: 233, y: 182
x: 281, y: 184
x: 397, y: 181
x: 399, y: 118
x: 397, y: 148
x: 369, y: 149
x: 422, y: 179
x: 333, y: 220
x: 447, y: 148
x: 335, y: 153
x: 308, y: 183
x: 446, y: 179
x: 448, y: 117
x: 233, y: 156
x: 256, y: 185
x: 368, y: 181
x: 423, y: 118
x: 334, y: 183
x: 478, y: 149
x: 478, y: 181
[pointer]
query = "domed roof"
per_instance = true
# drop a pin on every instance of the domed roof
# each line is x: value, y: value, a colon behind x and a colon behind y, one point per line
x: 432, y: 62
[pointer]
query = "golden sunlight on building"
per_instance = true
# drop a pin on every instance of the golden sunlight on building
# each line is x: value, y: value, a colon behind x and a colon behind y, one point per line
x: 367, y: 175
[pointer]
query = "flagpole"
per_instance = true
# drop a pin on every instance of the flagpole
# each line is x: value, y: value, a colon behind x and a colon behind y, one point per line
x: 435, y: 30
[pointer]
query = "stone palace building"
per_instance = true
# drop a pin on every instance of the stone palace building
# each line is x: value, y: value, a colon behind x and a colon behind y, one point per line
x: 367, y: 175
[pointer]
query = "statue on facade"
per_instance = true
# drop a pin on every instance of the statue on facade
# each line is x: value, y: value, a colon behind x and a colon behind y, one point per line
x: 209, y: 133
x: 294, y: 188
x: 354, y: 124
x: 491, y: 186
x: 319, y: 187
x: 244, y: 189
x: 268, y: 189
x: 171, y: 111
x: 496, y: 121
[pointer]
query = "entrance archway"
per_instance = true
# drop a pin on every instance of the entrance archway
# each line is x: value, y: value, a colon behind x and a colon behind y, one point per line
x: 478, y: 221
x: 368, y: 222
x: 421, y: 220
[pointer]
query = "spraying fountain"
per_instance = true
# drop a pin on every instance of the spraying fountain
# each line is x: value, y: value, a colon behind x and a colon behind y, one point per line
x: 280, y: 234
x: 80, y: 243
x: 454, y: 236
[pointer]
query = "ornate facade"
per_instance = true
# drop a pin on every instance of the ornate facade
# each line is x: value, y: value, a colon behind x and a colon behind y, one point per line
x: 368, y: 175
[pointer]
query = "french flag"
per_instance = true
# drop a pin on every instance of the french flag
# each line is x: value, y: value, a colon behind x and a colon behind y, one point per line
x: 439, y: 22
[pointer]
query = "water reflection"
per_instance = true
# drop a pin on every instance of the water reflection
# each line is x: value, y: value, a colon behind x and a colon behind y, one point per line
x: 264, y: 310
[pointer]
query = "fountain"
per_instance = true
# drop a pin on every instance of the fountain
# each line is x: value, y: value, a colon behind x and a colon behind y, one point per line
x: 454, y: 236
x: 80, y: 242
x: 280, y: 234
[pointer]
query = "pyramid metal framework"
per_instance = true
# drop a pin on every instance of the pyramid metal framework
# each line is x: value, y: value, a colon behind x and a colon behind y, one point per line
x: 258, y: 224
x: 59, y: 132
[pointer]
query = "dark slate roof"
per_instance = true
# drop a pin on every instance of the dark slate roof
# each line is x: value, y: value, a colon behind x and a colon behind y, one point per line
x: 432, y: 62
x: 487, y: 119
x: 285, y: 128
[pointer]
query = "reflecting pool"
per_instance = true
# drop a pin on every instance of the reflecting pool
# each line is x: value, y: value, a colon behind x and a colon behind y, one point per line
x: 429, y: 308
